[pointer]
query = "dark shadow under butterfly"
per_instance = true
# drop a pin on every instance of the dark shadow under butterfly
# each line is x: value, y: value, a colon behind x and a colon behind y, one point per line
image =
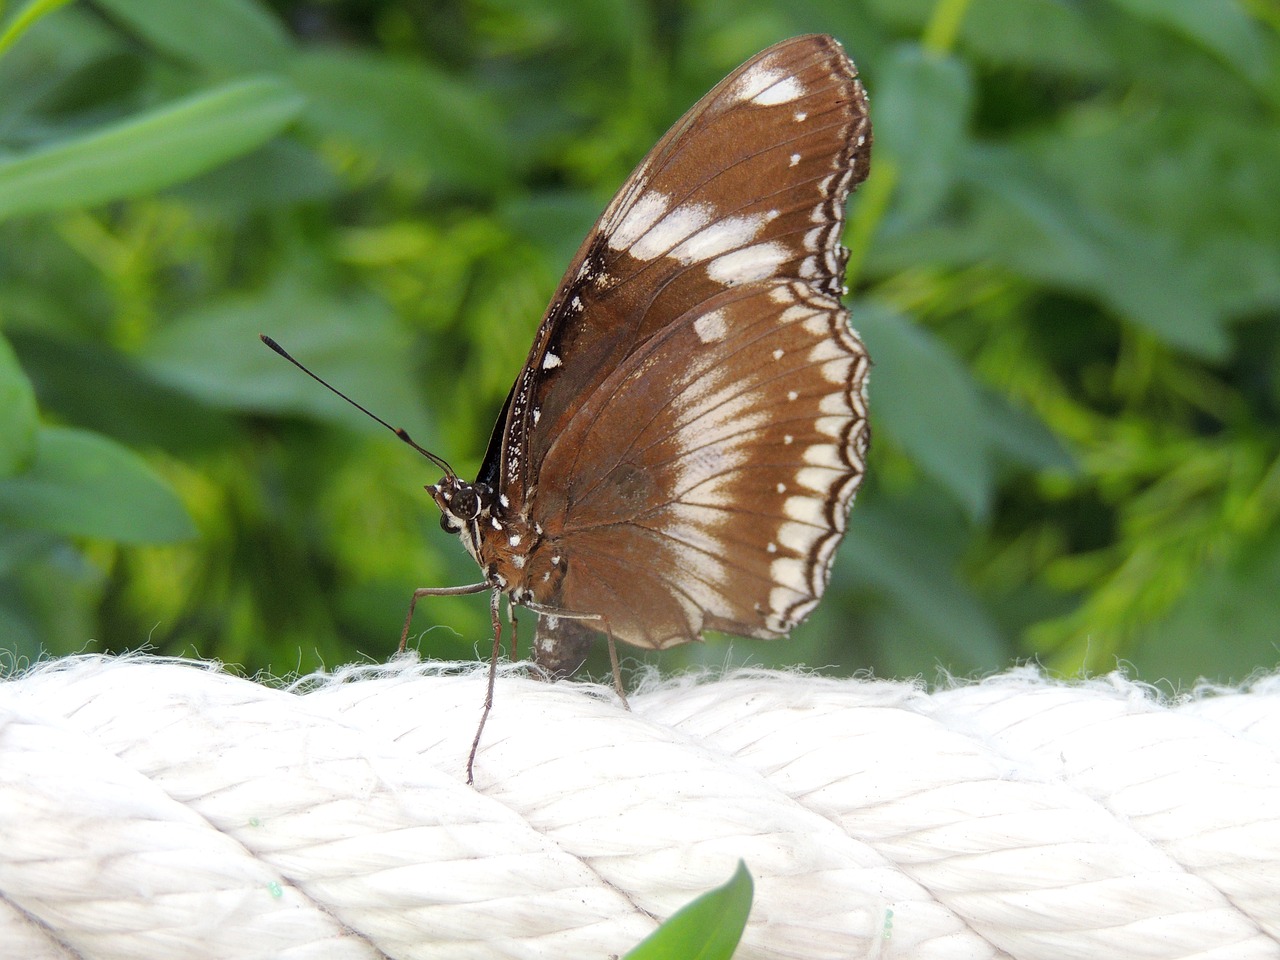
x: 682, y: 447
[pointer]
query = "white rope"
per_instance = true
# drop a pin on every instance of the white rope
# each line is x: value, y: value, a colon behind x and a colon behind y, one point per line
x: 164, y: 809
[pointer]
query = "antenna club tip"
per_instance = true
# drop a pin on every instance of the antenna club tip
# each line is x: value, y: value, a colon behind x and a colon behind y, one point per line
x: 270, y: 343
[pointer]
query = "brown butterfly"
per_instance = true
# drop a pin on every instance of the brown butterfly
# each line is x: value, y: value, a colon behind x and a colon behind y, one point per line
x: 682, y: 447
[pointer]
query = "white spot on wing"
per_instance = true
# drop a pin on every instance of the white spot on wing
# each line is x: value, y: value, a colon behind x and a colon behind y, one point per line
x: 837, y: 371
x: 789, y: 572
x: 783, y: 91
x: 833, y: 403
x: 823, y: 455
x: 671, y: 230
x: 720, y: 237
x: 805, y: 510
x: 759, y: 83
x: 832, y: 426
x: 550, y: 361
x: 825, y: 349
x: 795, y: 158
x: 818, y: 325
x: 757, y: 262
x: 817, y: 478
x: 635, y: 223
x: 798, y: 537
x: 710, y: 327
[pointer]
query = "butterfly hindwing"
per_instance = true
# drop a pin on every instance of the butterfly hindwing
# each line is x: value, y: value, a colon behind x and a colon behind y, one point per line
x: 725, y: 452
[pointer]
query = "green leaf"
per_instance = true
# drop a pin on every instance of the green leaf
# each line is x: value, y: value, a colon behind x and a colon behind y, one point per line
x: 922, y: 105
x: 1224, y: 627
x: 17, y: 414
x: 82, y: 484
x: 908, y: 549
x: 1022, y: 439
x: 1045, y: 35
x: 1038, y: 227
x: 1222, y: 27
x: 709, y: 928
x: 25, y: 18
x: 228, y: 35
x: 417, y: 115
x: 88, y: 384
x: 1225, y: 237
x: 928, y: 403
x: 20, y: 646
x: 282, y: 173
x: 355, y: 343
x: 146, y: 153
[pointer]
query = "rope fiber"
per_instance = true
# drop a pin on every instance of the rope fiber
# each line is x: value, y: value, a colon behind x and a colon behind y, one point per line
x: 166, y: 809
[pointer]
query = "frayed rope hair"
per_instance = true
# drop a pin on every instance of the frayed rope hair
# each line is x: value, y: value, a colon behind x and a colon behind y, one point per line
x: 164, y: 809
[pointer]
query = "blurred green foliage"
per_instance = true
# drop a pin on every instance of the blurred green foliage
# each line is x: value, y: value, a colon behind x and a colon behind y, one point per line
x: 1066, y: 264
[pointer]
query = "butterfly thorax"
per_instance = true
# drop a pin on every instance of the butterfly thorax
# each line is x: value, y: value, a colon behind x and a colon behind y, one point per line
x: 512, y: 550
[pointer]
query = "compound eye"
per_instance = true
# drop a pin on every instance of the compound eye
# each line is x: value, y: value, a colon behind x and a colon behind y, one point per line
x: 465, y: 505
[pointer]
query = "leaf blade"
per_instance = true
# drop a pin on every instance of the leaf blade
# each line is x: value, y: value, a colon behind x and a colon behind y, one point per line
x: 83, y: 484
x: 146, y: 153
x: 228, y: 35
x: 17, y: 414
x: 708, y: 928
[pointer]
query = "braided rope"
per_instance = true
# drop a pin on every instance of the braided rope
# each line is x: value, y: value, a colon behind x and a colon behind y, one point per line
x: 166, y: 809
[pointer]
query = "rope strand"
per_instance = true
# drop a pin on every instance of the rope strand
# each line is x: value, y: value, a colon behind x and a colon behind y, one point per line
x: 163, y: 808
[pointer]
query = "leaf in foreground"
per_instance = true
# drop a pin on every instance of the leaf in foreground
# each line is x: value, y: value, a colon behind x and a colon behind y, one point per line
x: 709, y: 928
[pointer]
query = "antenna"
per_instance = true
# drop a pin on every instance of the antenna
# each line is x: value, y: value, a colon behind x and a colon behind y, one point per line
x: 398, y: 431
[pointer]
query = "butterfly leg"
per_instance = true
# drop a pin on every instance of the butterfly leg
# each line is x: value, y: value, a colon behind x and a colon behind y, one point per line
x: 495, y: 616
x: 436, y: 592
x: 617, y: 670
x: 511, y: 616
x: 569, y: 644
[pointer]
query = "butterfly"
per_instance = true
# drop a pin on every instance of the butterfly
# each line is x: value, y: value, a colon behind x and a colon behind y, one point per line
x: 684, y: 442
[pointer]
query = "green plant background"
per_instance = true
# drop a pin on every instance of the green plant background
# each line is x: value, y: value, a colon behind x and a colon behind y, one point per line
x: 1066, y: 264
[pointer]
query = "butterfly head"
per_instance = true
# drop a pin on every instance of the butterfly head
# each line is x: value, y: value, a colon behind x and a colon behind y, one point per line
x: 464, y: 507
x: 461, y: 504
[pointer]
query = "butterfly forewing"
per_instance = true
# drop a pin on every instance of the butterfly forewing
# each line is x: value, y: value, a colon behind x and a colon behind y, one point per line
x: 748, y: 186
